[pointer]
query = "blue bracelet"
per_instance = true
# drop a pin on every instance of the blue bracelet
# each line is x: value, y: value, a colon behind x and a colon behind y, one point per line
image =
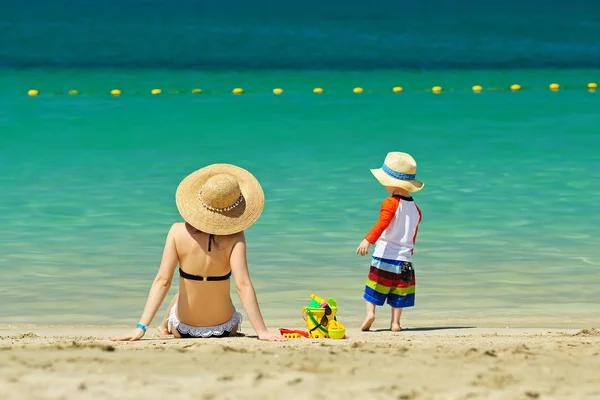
x: 142, y: 327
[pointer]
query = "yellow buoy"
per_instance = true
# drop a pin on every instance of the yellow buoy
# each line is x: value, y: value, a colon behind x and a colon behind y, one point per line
x: 115, y: 92
x: 318, y: 90
x: 238, y: 91
x: 196, y: 90
x: 277, y: 91
x: 592, y: 85
x: 437, y: 89
x: 554, y: 86
x: 357, y: 90
x: 73, y: 92
x: 397, y: 89
x: 477, y: 88
x: 516, y: 87
x: 156, y: 91
x: 33, y: 92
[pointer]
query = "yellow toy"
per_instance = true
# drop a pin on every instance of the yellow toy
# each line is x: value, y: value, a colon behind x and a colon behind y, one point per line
x: 320, y: 319
x: 336, y: 330
x: 320, y: 316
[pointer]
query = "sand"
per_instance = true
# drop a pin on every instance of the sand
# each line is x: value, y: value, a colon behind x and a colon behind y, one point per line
x: 427, y: 363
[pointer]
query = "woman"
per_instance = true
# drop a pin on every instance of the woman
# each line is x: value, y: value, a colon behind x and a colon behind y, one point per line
x: 218, y: 203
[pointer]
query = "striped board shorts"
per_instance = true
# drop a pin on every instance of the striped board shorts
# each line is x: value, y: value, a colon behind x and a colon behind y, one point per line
x: 384, y: 283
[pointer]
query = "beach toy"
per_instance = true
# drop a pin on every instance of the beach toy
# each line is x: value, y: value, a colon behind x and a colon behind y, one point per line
x: 332, y: 303
x: 319, y: 315
x: 293, y: 334
x: 321, y: 301
x: 317, y: 320
x: 314, y: 304
x: 336, y: 330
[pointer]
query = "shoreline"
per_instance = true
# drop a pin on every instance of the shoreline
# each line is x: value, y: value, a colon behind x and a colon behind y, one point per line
x: 52, y: 330
x: 416, y: 321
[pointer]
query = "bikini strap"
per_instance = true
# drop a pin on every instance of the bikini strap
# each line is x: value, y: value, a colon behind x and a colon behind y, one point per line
x: 211, y: 237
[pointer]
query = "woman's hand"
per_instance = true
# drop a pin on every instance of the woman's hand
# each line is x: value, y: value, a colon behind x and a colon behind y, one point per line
x: 271, y: 337
x: 132, y: 336
x: 363, y: 247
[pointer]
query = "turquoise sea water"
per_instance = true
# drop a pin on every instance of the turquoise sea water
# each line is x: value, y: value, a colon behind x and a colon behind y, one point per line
x: 510, y: 215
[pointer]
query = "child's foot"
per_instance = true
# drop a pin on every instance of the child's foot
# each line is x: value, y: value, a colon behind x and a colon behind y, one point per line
x: 396, y: 328
x: 368, y: 322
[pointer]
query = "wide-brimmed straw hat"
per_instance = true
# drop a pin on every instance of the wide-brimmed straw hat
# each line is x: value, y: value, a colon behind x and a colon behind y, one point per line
x: 399, y: 170
x: 220, y: 199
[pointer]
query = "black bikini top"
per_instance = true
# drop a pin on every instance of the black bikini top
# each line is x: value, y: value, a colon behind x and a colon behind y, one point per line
x: 185, y: 275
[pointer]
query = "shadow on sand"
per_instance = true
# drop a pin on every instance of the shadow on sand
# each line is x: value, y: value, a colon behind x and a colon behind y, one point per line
x: 428, y: 329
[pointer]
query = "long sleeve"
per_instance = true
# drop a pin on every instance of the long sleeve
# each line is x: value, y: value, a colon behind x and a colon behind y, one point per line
x: 386, y: 214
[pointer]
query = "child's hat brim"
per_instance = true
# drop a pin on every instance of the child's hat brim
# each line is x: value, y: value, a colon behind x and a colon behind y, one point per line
x: 386, y: 180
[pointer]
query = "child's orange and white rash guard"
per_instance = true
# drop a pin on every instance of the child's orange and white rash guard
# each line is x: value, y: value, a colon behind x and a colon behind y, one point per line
x: 395, y: 232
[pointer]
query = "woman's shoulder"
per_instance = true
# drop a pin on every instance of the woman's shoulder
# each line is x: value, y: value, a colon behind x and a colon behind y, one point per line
x: 178, y: 227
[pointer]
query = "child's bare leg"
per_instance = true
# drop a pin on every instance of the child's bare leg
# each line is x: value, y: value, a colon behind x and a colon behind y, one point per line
x: 370, y: 317
x: 396, y: 314
x: 163, y: 329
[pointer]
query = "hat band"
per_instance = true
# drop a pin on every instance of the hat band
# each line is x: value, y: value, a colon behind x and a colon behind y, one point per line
x: 398, y: 175
x: 220, y: 210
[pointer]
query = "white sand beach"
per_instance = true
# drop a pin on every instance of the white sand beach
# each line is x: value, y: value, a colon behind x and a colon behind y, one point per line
x: 62, y: 362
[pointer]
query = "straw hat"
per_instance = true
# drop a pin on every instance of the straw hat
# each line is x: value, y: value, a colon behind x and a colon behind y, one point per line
x: 399, y: 170
x: 220, y: 199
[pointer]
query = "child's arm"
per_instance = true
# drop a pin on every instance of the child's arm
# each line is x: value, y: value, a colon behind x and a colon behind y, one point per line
x: 386, y: 214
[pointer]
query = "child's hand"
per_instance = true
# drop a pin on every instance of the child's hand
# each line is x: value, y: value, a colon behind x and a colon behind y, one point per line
x: 363, y: 247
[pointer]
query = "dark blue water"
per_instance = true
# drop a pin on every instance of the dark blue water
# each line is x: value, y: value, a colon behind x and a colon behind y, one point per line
x: 243, y: 34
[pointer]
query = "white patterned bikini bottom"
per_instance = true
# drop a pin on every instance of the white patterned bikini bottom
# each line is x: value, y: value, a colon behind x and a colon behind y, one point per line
x: 189, y: 331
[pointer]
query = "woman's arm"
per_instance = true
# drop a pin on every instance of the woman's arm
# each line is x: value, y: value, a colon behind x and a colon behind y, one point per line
x: 245, y: 289
x: 159, y: 289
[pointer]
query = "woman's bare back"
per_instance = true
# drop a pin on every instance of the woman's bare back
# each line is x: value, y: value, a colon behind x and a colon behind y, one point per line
x: 204, y: 303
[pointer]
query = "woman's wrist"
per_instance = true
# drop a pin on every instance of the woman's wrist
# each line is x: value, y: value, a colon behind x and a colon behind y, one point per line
x: 262, y: 330
x: 141, y: 326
